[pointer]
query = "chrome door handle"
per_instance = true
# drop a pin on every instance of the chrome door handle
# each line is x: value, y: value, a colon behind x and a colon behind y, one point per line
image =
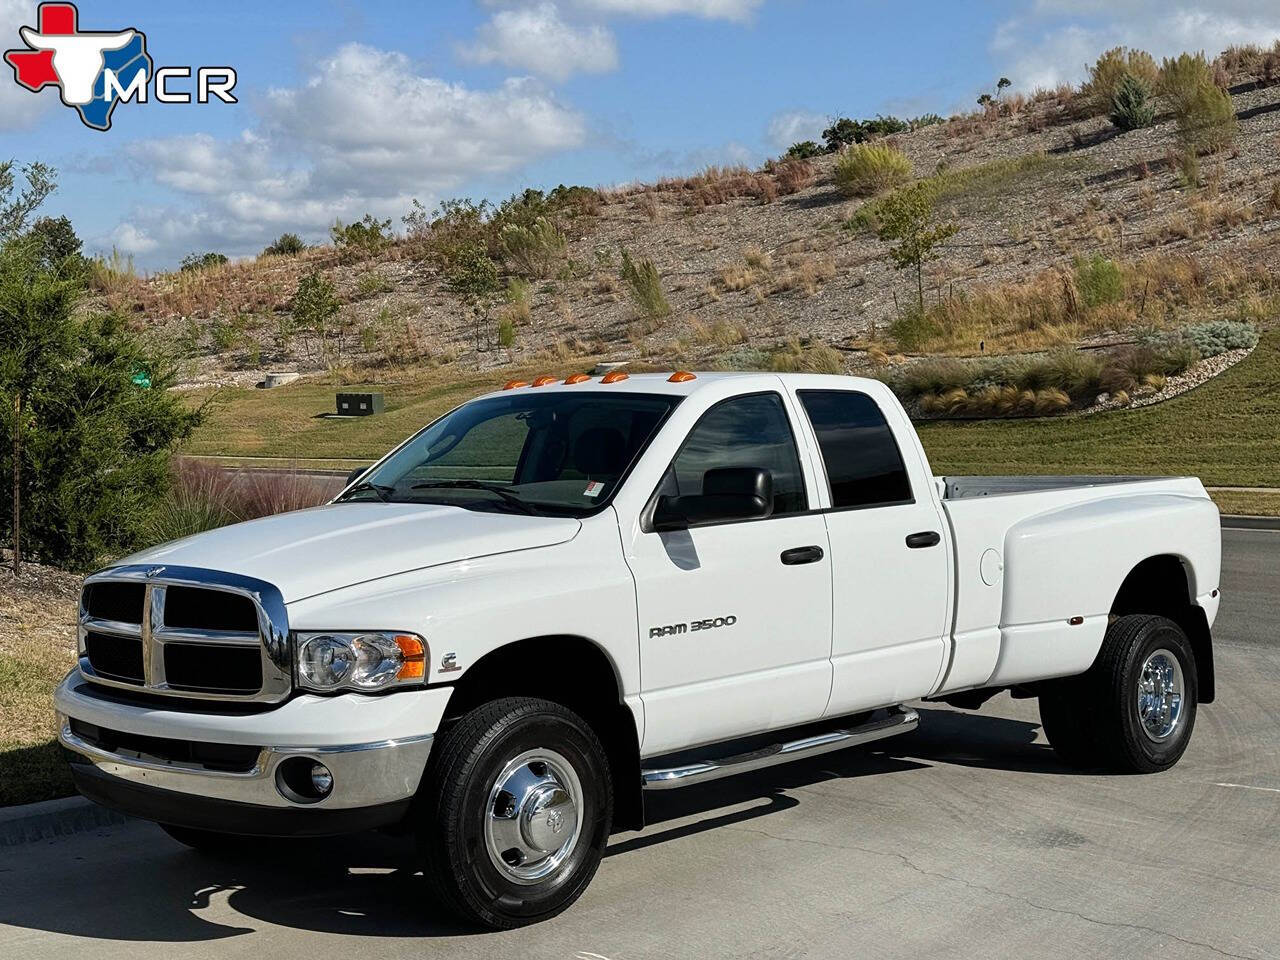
x: 798, y: 555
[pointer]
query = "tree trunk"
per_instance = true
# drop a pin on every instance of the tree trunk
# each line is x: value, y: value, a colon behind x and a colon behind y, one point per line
x: 920, y: 283
x: 17, y: 486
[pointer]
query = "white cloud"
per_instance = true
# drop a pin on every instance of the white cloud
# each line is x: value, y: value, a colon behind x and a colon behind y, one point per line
x: 794, y: 125
x: 1052, y: 46
x: 537, y: 39
x: 365, y: 133
x: 19, y: 107
x: 708, y: 9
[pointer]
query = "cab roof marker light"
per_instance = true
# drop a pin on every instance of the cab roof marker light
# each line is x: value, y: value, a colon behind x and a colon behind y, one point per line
x: 542, y: 381
x: 614, y: 376
x: 513, y: 384
x: 577, y: 378
x: 682, y: 376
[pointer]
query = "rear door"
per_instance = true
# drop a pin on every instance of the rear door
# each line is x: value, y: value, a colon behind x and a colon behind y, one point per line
x: 889, y: 559
x: 735, y: 630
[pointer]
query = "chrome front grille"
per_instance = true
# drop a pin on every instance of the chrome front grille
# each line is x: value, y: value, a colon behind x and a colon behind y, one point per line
x: 185, y: 632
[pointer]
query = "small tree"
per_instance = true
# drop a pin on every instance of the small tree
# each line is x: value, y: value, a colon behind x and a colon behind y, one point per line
x: 804, y: 150
x: 16, y: 211
x: 56, y: 248
x: 315, y: 303
x: 1131, y: 106
x: 843, y: 132
x: 907, y: 216
x: 473, y: 276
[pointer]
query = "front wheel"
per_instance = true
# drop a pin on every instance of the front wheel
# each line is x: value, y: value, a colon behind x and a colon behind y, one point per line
x: 517, y: 808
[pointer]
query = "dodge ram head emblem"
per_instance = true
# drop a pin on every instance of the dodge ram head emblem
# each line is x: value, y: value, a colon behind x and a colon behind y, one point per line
x: 153, y: 572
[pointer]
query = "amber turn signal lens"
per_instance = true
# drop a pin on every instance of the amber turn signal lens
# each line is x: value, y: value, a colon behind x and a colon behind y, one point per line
x: 614, y: 376
x: 543, y: 380
x: 682, y: 376
x: 415, y: 658
x: 512, y: 384
x: 577, y: 378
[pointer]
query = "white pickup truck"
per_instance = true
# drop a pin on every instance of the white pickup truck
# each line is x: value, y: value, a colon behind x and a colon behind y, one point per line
x: 566, y: 593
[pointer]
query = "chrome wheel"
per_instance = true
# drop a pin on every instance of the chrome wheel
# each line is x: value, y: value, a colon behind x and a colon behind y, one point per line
x: 533, y: 819
x: 1160, y: 695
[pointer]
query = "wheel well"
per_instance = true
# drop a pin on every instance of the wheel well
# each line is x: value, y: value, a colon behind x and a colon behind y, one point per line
x: 576, y: 673
x: 1162, y: 586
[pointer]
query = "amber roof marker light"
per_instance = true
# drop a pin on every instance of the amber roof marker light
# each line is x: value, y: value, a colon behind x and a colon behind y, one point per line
x: 542, y: 381
x: 577, y: 378
x: 614, y: 376
x: 682, y: 376
x: 513, y: 384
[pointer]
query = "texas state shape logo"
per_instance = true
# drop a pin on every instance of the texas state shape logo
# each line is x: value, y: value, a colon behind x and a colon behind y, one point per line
x: 90, y: 68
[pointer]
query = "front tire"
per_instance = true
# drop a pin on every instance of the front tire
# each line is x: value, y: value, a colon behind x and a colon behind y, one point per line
x: 517, y: 808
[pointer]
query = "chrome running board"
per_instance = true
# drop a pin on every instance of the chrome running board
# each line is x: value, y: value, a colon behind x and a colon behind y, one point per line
x: 899, y: 720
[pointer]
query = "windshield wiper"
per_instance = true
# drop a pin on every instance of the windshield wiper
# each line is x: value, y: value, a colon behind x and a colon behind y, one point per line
x: 495, y: 488
x: 380, y: 490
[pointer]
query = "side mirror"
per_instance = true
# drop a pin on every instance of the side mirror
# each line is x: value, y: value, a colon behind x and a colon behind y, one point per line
x: 354, y: 475
x: 728, y: 493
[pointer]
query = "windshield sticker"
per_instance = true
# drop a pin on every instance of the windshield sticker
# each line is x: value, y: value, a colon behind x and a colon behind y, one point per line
x: 594, y: 489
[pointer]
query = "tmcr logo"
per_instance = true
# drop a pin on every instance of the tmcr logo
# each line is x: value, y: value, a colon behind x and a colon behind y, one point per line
x: 95, y: 70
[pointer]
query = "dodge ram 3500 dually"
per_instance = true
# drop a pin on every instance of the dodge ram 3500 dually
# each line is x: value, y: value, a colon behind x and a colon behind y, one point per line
x: 566, y: 593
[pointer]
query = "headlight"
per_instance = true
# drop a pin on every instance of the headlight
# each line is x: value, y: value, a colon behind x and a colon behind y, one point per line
x: 359, y: 661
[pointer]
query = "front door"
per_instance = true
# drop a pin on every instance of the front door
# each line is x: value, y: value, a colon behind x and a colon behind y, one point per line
x: 735, y: 617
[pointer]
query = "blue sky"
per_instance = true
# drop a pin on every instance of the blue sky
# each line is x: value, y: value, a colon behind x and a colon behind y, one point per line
x: 347, y: 108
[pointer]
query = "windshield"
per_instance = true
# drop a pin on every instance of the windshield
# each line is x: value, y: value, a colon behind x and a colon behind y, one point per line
x: 560, y: 453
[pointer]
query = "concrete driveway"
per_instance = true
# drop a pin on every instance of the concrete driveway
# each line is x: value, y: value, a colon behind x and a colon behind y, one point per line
x: 963, y: 839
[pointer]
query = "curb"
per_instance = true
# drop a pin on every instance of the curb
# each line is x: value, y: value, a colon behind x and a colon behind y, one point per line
x: 1250, y: 523
x: 50, y: 819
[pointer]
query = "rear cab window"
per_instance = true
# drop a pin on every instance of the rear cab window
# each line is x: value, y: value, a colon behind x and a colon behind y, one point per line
x: 864, y: 465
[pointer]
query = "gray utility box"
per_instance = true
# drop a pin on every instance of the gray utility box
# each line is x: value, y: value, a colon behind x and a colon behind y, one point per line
x: 359, y: 404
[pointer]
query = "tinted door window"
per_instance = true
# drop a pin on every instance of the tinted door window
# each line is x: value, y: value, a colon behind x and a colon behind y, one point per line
x: 863, y: 462
x: 750, y: 431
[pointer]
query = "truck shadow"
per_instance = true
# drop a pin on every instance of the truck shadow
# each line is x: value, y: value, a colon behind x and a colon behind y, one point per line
x: 130, y: 882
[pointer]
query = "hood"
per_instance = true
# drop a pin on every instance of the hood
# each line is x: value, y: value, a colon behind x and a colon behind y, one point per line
x: 339, y: 545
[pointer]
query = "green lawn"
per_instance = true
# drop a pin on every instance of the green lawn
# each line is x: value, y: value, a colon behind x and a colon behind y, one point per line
x: 1227, y: 432
x: 286, y: 422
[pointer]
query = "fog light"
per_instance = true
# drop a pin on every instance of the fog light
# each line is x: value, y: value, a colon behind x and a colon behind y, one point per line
x: 303, y: 780
x: 321, y: 780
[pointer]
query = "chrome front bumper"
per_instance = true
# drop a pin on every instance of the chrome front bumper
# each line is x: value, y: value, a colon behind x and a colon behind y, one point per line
x: 375, y: 747
x: 364, y: 774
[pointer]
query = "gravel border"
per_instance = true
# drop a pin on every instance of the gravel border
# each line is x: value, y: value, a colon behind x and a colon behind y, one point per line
x: 1199, y: 372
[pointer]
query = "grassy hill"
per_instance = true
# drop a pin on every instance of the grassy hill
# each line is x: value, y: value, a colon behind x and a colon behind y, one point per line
x: 1069, y: 233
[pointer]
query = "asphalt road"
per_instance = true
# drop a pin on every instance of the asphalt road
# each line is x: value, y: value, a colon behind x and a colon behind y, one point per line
x: 963, y: 839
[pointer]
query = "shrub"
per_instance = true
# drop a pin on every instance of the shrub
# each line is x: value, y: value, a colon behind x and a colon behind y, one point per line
x: 1131, y: 106
x: 1099, y: 280
x: 867, y: 169
x: 645, y: 286
x: 1204, y: 112
x: 795, y: 175
x: 913, y: 329
x: 286, y: 245
x: 925, y: 120
x: 794, y: 358
x: 506, y: 331
x: 1110, y: 69
x: 884, y: 126
x: 804, y: 150
x: 843, y: 132
x: 201, y: 261
x: 1215, y: 337
x: 576, y: 201
x: 364, y: 236
x: 537, y: 250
